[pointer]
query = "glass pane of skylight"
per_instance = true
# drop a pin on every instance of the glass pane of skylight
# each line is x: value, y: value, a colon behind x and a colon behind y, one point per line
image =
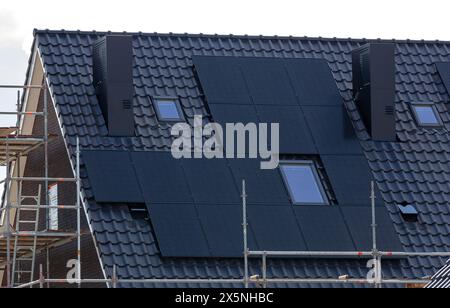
x: 303, y: 184
x: 407, y: 209
x: 426, y: 115
x: 168, y: 110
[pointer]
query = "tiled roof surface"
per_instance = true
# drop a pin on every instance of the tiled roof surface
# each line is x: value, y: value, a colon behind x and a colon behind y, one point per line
x: 415, y: 169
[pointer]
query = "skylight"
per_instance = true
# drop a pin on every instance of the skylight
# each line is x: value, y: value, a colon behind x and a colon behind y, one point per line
x: 168, y: 110
x: 408, y: 212
x: 303, y: 183
x: 426, y: 114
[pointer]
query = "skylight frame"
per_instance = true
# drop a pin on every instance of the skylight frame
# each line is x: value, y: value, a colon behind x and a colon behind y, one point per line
x: 439, y: 123
x: 312, y: 165
x: 176, y: 101
x: 408, y: 212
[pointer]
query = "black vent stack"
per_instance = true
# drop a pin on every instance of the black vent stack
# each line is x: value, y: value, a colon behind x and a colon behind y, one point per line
x: 374, y: 88
x: 113, y: 81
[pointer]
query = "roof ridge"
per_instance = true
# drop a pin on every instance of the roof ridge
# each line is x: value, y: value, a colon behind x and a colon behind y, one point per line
x: 241, y: 36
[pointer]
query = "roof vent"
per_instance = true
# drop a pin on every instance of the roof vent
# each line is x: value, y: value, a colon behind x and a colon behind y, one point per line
x: 374, y: 88
x: 113, y: 81
x: 138, y: 211
x: 409, y: 212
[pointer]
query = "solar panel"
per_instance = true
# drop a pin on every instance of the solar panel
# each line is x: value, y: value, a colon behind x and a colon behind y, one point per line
x: 313, y: 82
x: 350, y: 178
x: 233, y: 113
x: 112, y: 176
x: 223, y: 230
x: 332, y: 130
x: 444, y: 71
x: 324, y: 228
x: 359, y: 220
x: 161, y: 177
x: 263, y: 186
x: 211, y: 181
x: 221, y: 80
x: 295, y: 136
x: 178, y: 230
x: 275, y: 228
x: 268, y: 81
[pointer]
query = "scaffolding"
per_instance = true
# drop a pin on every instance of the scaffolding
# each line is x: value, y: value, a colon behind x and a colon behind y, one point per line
x: 21, y: 239
x: 14, y: 146
x: 262, y: 280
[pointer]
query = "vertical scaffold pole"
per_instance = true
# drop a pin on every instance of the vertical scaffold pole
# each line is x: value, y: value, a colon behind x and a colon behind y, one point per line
x: 18, y: 114
x: 374, y: 235
x: 114, y: 279
x: 244, y: 228
x: 78, y: 213
x: 264, y: 266
x: 46, y: 198
x: 8, y: 219
x: 41, y: 277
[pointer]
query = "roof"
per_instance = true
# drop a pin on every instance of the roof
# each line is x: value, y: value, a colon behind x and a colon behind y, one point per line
x: 414, y: 169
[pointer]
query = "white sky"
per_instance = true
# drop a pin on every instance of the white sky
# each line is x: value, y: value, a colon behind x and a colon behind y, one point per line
x: 329, y: 18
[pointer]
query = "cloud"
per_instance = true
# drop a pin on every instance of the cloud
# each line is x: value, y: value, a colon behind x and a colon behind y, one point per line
x: 9, y: 30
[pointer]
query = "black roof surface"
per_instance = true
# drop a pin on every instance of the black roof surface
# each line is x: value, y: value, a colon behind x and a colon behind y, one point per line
x: 416, y: 169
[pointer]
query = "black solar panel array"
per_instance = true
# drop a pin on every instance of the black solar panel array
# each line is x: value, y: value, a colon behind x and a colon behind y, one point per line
x: 234, y: 91
x: 178, y: 231
x: 350, y: 178
x: 156, y: 172
x: 295, y: 136
x: 276, y: 228
x: 443, y: 69
x: 263, y: 186
x: 332, y: 130
x: 300, y: 94
x: 222, y: 225
x: 195, y: 205
x: 267, y: 81
x: 359, y: 223
x: 210, y: 181
x: 313, y: 82
x: 324, y: 228
x: 112, y: 176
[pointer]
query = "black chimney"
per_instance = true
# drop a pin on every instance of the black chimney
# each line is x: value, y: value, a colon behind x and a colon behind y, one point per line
x: 113, y: 81
x: 374, y: 88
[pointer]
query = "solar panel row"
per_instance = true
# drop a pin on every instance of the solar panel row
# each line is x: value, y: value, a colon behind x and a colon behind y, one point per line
x: 266, y: 81
x: 190, y: 222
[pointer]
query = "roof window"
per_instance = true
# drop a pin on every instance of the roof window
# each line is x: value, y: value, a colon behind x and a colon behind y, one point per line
x: 168, y: 110
x: 426, y: 114
x: 408, y: 212
x: 303, y: 183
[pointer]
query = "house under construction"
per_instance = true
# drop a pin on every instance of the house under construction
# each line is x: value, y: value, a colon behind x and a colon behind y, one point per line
x: 94, y: 197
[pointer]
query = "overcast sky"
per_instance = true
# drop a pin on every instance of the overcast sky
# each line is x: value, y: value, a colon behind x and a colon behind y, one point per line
x: 399, y: 19
x: 329, y: 18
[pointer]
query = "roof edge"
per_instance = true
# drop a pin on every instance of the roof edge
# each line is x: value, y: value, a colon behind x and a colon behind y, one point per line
x: 241, y: 36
